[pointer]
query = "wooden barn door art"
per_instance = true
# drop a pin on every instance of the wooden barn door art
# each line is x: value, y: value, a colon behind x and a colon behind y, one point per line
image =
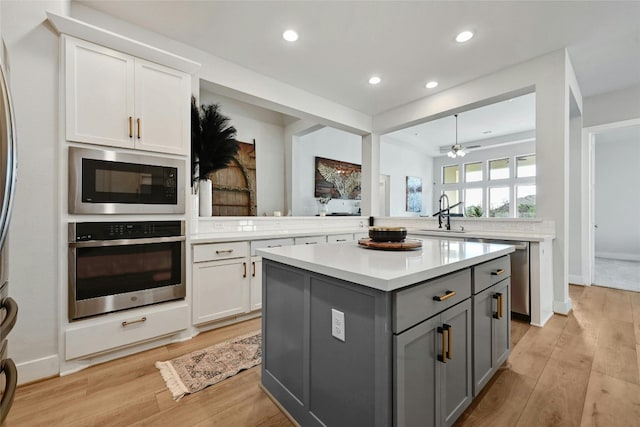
x: 234, y: 188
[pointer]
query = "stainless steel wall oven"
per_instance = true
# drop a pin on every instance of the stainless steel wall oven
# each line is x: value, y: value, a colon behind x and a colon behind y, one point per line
x: 119, y: 265
x: 110, y: 182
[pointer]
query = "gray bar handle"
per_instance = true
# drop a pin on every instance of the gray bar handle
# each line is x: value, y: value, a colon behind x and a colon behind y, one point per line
x: 10, y: 320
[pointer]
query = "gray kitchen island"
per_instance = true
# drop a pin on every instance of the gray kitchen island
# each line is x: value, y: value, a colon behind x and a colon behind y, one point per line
x: 361, y: 337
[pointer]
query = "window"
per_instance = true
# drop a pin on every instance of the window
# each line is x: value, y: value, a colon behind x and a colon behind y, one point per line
x: 473, y: 202
x: 473, y: 172
x: 454, y: 197
x: 451, y: 174
x: 499, y: 202
x: 499, y: 169
x: 526, y: 166
x: 526, y: 201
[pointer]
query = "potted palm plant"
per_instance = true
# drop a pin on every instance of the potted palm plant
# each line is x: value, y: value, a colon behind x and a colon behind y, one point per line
x: 213, y: 147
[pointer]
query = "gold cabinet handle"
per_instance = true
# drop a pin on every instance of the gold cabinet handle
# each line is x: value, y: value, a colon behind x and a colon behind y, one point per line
x: 443, y: 357
x: 497, y: 272
x: 127, y: 323
x: 139, y: 131
x: 253, y: 269
x: 445, y: 297
x: 130, y: 127
x: 449, y: 330
x: 498, y: 297
x: 244, y: 269
x: 226, y: 251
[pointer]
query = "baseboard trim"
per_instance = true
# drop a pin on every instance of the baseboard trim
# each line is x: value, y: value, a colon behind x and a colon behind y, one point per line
x: 576, y: 280
x: 35, y: 370
x: 562, y: 307
x: 618, y: 255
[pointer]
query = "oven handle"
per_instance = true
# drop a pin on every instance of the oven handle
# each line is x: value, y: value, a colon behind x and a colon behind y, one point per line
x: 123, y: 242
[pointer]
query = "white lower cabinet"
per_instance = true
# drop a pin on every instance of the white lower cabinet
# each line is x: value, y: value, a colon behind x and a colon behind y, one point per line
x: 256, y: 283
x: 220, y: 286
x: 116, y: 330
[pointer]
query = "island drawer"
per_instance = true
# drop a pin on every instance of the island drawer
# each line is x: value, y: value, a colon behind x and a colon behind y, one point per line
x: 216, y: 251
x: 420, y: 302
x: 490, y: 273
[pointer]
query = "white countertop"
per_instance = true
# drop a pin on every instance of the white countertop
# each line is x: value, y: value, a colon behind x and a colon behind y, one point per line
x: 268, y: 234
x: 386, y: 270
x: 493, y: 234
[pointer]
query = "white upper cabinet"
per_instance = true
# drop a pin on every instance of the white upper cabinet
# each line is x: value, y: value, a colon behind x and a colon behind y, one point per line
x: 118, y: 100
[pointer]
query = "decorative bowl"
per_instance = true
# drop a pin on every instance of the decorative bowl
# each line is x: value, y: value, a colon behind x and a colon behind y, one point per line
x: 387, y: 234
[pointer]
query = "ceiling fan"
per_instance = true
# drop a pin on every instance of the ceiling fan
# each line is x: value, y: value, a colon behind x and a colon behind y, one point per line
x: 457, y: 150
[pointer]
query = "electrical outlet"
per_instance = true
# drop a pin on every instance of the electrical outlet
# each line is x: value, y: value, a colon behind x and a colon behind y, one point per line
x: 337, y: 324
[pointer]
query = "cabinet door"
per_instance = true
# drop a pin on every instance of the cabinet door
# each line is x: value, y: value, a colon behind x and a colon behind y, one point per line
x: 484, y: 308
x: 256, y: 283
x: 417, y: 395
x: 502, y: 326
x: 456, y: 378
x: 220, y: 289
x: 162, y: 106
x: 491, y: 332
x: 99, y: 94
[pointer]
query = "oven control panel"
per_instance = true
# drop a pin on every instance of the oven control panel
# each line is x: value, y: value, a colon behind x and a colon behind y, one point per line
x: 86, y: 231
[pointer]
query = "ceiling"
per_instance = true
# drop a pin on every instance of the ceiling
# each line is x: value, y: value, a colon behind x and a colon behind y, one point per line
x: 407, y: 44
x: 343, y: 43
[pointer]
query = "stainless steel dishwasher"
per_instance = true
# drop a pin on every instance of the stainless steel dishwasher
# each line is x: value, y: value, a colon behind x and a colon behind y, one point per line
x: 520, y: 291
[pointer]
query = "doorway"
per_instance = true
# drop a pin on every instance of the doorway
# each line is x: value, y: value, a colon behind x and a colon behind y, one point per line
x: 615, y: 232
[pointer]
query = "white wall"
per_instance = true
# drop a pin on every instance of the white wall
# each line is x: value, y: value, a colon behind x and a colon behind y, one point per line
x: 617, y: 157
x: 612, y: 107
x: 575, y: 196
x: 33, y: 53
x: 267, y: 129
x: 399, y: 162
x: 328, y: 143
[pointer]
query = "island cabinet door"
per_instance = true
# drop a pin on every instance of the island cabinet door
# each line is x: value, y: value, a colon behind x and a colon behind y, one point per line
x: 416, y: 394
x: 432, y: 366
x: 491, y: 332
x: 456, y: 387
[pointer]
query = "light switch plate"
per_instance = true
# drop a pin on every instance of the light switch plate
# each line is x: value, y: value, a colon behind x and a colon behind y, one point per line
x: 337, y: 324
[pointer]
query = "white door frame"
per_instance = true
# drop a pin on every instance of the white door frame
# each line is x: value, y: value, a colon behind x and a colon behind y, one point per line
x: 588, y: 205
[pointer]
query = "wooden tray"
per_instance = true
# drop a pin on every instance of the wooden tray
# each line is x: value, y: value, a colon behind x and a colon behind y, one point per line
x: 405, y: 245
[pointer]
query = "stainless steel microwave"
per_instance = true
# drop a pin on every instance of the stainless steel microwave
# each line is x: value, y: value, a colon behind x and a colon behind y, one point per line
x: 111, y: 182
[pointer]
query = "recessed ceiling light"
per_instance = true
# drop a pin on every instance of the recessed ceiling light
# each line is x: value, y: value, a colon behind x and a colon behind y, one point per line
x: 290, y: 36
x: 431, y: 85
x: 375, y: 80
x: 464, y: 36
x: 486, y: 132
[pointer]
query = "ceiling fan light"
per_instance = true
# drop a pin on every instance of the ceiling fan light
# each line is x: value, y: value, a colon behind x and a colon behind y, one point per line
x: 451, y: 154
x: 461, y: 153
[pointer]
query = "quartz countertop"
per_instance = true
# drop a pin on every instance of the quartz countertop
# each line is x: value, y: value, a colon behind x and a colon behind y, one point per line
x: 386, y: 270
x: 455, y: 233
x: 268, y: 234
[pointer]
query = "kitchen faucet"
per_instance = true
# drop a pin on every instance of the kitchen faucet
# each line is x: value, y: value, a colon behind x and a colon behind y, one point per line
x: 441, y: 214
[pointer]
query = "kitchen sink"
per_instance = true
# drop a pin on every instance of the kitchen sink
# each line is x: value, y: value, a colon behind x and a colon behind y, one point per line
x: 443, y: 230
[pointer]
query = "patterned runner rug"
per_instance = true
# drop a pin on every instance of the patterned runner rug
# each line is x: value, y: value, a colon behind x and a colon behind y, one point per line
x: 194, y: 371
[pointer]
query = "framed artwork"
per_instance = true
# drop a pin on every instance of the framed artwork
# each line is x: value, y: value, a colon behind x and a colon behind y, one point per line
x: 337, y: 180
x: 414, y: 194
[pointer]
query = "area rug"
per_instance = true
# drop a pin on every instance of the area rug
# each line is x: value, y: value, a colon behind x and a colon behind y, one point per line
x: 194, y: 371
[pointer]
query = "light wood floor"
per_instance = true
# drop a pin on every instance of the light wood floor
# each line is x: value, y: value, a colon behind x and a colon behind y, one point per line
x: 579, y: 370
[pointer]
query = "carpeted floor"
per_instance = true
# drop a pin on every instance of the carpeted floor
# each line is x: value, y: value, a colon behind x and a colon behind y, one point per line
x: 618, y: 274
